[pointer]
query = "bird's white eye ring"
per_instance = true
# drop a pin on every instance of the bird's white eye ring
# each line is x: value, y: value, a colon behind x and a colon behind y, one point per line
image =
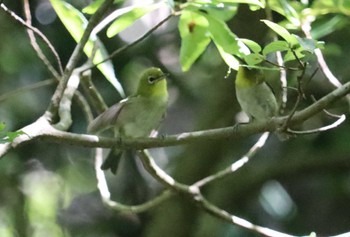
x: 152, y: 79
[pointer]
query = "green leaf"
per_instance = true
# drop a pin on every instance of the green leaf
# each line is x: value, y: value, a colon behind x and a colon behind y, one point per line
x: 75, y: 23
x: 194, y: 38
x: 222, y: 35
x: 306, y: 44
x: 255, y: 47
x: 12, y: 135
x: 290, y: 56
x: 281, y: 31
x: 92, y: 8
x: 254, y: 58
x: 220, y: 11
x: 322, y: 7
x: 287, y: 10
x: 249, y: 2
x: 229, y: 59
x: 275, y: 46
x: 290, y: 13
x: 128, y: 18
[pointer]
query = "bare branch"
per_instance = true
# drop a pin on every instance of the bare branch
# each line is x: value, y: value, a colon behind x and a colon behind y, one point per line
x: 37, y: 48
x: 193, y: 192
x: 322, y: 129
x: 24, y: 89
x: 106, y: 196
x: 91, y: 92
x: 280, y: 63
x: 236, y: 165
x: 234, y: 132
x: 73, y: 60
x: 35, y: 30
x: 306, y: 28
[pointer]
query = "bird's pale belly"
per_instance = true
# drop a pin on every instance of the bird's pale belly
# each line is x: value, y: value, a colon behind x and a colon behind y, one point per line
x: 141, y: 125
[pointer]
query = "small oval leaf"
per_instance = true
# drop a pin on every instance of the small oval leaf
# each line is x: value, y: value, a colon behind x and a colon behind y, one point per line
x: 275, y: 46
x: 128, y: 18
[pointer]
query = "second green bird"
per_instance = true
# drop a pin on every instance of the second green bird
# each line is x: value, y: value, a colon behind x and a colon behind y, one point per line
x: 254, y: 95
x: 136, y: 116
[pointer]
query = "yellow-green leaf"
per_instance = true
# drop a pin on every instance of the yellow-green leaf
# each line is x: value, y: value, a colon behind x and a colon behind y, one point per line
x: 281, y: 31
x: 128, y: 18
x: 194, y: 37
x: 75, y: 23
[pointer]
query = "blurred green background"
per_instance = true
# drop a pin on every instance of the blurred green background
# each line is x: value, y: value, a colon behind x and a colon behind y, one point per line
x: 298, y: 186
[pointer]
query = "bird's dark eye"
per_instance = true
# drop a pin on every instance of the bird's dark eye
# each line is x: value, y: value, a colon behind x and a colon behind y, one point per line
x: 152, y: 79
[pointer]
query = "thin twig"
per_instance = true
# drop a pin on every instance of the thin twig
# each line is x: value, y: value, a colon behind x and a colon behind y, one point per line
x: 52, y: 109
x: 92, y: 93
x: 280, y: 63
x: 306, y: 28
x: 106, y: 196
x: 83, y: 104
x: 125, y: 47
x: 24, y: 89
x: 300, y: 92
x: 194, y: 193
x: 236, y: 165
x: 37, y: 48
x: 35, y: 30
x: 322, y: 129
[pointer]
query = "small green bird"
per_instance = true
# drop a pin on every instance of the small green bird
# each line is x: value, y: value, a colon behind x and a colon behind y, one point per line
x: 136, y: 116
x: 254, y: 95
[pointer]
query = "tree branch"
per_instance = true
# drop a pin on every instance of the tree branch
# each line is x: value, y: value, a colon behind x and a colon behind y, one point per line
x: 33, y: 29
x: 37, y: 48
x: 194, y: 193
x: 106, y: 196
x: 73, y: 60
x: 49, y: 133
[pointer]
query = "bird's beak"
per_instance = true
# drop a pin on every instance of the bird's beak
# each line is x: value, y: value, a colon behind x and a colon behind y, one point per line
x: 164, y: 76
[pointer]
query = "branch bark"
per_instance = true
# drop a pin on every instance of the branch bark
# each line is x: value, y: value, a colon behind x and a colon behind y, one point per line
x: 43, y: 130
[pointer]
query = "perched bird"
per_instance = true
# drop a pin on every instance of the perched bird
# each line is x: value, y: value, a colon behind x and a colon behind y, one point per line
x: 254, y: 95
x: 136, y: 116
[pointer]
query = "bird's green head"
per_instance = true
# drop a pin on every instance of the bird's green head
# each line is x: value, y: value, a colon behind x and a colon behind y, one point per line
x: 152, y: 83
x: 247, y: 77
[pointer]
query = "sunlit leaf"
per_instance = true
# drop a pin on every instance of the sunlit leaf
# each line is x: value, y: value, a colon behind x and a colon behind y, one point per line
x: 75, y: 23
x: 275, y: 46
x: 194, y: 37
x: 229, y: 59
x: 128, y: 18
x: 222, y: 35
x: 286, y: 9
x: 281, y: 31
x: 92, y: 8
x: 249, y: 2
x: 255, y: 47
x: 254, y: 58
x: 221, y: 11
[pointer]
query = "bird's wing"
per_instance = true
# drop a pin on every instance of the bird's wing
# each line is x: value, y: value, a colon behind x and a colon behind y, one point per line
x: 108, y: 118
